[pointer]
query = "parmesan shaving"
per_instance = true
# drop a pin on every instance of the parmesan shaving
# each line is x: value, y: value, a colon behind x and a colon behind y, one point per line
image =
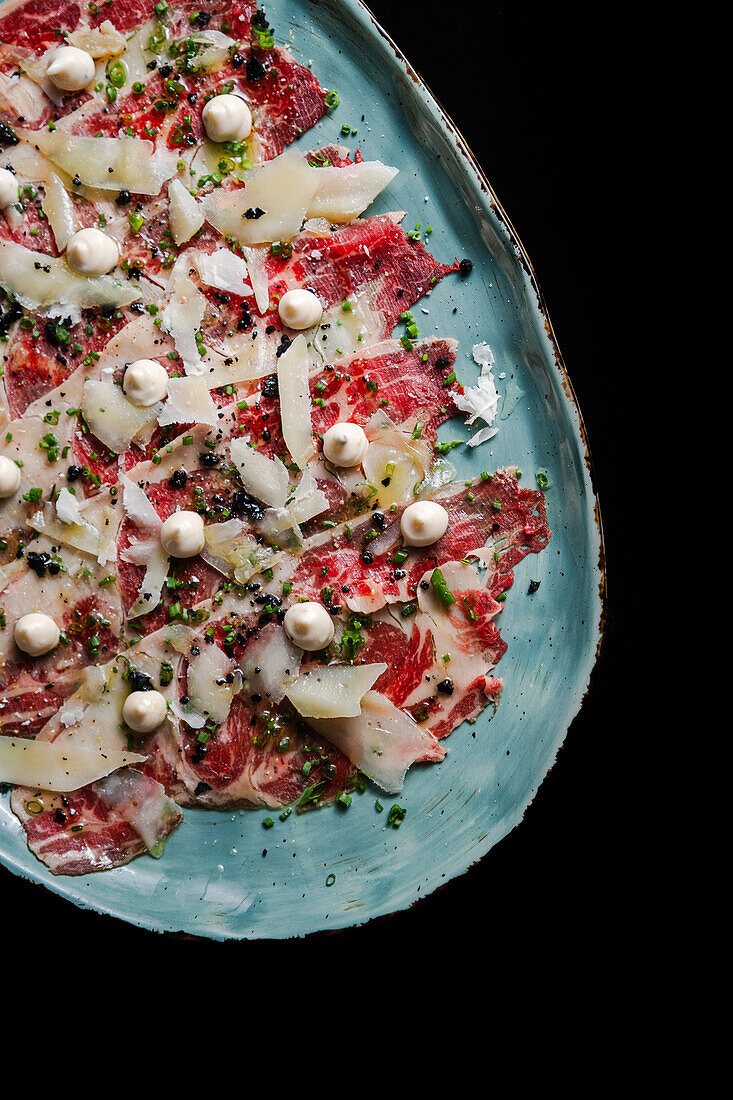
x: 95, y: 532
x: 42, y: 282
x: 58, y: 767
x: 342, y: 194
x: 295, y: 401
x: 109, y: 163
x: 209, y: 691
x: 263, y: 477
x: 138, y: 508
x: 482, y: 400
x: 113, y: 419
x: 270, y: 664
x: 67, y: 507
x: 189, y: 402
x: 183, y: 315
x: 257, y: 267
x: 282, y: 188
x: 151, y: 554
x: 186, y: 216
x: 382, y: 742
x: 224, y: 271
x: 333, y: 691
x: 59, y: 209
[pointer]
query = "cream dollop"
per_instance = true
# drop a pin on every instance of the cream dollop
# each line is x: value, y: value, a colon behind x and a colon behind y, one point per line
x: 91, y: 252
x: 345, y: 444
x: 309, y: 626
x: 145, y: 382
x: 182, y: 535
x: 227, y: 118
x: 36, y: 634
x: 143, y: 711
x: 71, y: 69
x: 9, y: 477
x: 423, y: 523
x: 8, y: 188
x: 300, y: 309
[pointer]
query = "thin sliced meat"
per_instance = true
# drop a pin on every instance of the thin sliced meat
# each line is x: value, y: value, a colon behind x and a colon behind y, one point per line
x: 493, y: 512
x: 87, y: 830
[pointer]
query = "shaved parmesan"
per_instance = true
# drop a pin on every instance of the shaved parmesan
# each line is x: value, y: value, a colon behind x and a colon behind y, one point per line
x: 282, y: 188
x: 43, y: 282
x: 265, y: 478
x: 153, y: 556
x: 295, y: 401
x: 333, y: 691
x: 482, y: 400
x: 224, y: 271
x: 342, y: 194
x: 392, y: 445
x: 59, y: 209
x: 189, y: 402
x: 109, y: 163
x: 270, y: 664
x: 94, y: 534
x: 383, y: 741
x: 113, y: 419
x: 102, y: 41
x: 138, y: 508
x: 186, y: 216
x: 235, y: 553
x: 183, y: 315
x: 67, y: 507
x: 20, y: 97
x: 308, y: 500
x: 257, y: 267
x: 209, y: 692
x: 58, y: 767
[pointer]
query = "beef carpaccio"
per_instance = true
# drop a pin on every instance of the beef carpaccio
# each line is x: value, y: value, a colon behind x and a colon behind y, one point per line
x: 236, y: 566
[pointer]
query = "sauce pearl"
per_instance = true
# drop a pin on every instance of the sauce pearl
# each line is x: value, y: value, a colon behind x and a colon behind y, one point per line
x: 345, y: 444
x: 9, y: 477
x: 309, y: 626
x: 91, y: 252
x: 145, y: 382
x: 423, y: 523
x: 227, y: 118
x: 8, y: 188
x: 143, y: 711
x: 182, y: 535
x: 300, y: 309
x: 36, y: 634
x: 71, y: 69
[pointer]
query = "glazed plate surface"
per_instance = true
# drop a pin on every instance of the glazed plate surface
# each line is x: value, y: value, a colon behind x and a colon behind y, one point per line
x: 333, y: 868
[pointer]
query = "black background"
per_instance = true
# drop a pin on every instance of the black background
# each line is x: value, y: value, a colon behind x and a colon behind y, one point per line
x: 535, y: 93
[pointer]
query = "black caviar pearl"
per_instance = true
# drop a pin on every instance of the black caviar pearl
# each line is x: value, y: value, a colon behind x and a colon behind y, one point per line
x: 178, y: 479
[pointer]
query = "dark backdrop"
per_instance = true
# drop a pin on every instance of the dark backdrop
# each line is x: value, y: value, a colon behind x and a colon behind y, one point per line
x: 536, y: 95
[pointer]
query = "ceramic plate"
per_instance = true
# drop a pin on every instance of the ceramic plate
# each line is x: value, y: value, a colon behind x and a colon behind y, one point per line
x: 335, y: 868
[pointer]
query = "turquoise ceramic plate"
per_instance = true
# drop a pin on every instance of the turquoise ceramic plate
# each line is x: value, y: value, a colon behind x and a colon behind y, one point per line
x: 332, y: 869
